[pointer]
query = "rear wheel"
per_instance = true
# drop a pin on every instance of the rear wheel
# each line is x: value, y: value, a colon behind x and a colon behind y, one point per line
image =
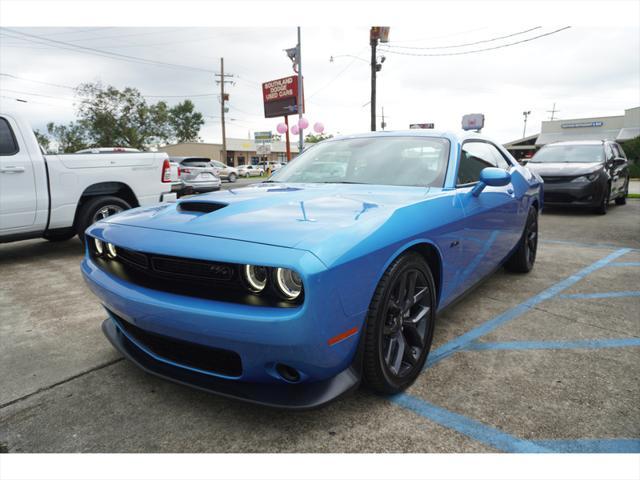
x: 523, y: 258
x: 400, y: 325
x: 97, y: 209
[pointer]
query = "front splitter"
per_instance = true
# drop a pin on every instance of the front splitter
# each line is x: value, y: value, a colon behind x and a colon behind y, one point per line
x: 300, y: 396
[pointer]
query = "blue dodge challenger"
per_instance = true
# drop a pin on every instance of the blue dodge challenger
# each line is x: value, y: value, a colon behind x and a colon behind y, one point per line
x: 292, y: 291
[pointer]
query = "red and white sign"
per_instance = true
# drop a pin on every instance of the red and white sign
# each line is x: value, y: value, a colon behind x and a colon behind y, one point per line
x: 280, y: 97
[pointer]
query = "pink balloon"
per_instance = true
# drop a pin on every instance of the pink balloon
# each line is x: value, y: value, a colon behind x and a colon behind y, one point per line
x: 281, y: 128
x: 295, y: 130
x: 318, y: 127
x: 303, y: 123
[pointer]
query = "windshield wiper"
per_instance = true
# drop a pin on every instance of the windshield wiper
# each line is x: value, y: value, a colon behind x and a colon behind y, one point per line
x: 271, y: 181
x: 349, y: 183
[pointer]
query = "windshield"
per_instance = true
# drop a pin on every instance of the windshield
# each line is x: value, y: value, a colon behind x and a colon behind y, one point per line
x: 403, y: 161
x: 569, y: 154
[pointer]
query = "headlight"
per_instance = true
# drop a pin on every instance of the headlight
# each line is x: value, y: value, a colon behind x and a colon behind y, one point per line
x: 99, y: 246
x: 586, y: 178
x: 111, y: 250
x: 288, y: 283
x: 256, y: 277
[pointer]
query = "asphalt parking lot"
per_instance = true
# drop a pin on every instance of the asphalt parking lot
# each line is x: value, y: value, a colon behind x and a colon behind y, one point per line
x: 548, y: 361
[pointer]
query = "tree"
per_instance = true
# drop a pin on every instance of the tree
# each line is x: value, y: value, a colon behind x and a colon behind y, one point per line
x: 311, y: 138
x: 185, y: 122
x: 70, y: 138
x: 43, y: 140
x: 115, y: 117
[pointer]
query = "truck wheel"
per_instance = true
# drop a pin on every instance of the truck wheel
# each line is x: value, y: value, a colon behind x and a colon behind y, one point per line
x: 96, y: 209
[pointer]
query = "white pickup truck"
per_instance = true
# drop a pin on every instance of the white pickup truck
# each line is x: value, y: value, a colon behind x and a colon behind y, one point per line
x: 59, y: 196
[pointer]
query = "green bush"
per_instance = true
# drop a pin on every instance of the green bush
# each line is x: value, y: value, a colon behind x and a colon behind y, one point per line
x: 632, y: 149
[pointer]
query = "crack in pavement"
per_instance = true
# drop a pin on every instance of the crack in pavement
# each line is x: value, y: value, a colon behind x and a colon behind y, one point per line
x: 61, y: 382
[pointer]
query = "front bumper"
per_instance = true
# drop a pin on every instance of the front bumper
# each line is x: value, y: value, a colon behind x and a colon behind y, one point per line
x: 587, y: 194
x: 291, y: 396
x: 261, y: 336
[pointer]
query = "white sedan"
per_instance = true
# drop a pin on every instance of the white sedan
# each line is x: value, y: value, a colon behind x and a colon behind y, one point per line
x: 250, y: 171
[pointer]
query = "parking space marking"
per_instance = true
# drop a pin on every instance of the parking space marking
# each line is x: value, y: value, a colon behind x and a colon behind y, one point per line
x: 624, y: 264
x: 608, y: 246
x: 601, y: 295
x: 557, y: 345
x: 467, y: 341
x: 459, y: 343
x: 588, y: 445
x: 467, y: 426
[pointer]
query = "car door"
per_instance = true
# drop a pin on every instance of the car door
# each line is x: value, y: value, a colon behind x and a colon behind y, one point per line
x: 17, y: 181
x: 620, y: 169
x: 493, y: 218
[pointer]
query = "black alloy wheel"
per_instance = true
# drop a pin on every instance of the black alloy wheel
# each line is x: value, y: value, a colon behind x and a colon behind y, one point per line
x: 524, y: 256
x: 604, y: 201
x: 400, y: 325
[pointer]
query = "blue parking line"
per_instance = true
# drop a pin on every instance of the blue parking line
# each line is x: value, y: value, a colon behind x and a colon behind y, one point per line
x: 602, y: 295
x: 557, y: 345
x: 463, y: 340
x: 467, y: 426
x: 624, y: 264
x: 612, y: 445
x: 582, y: 244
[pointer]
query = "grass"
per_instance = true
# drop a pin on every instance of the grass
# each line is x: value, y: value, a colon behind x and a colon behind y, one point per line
x: 633, y: 195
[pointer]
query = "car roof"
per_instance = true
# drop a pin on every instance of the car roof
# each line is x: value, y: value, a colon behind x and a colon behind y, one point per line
x: 577, y: 142
x: 453, y: 136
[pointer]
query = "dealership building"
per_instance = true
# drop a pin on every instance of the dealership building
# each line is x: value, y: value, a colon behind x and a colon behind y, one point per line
x: 620, y: 128
x: 239, y: 151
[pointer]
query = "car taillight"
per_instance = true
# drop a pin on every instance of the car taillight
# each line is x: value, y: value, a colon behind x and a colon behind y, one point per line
x: 178, y: 172
x: 166, y: 171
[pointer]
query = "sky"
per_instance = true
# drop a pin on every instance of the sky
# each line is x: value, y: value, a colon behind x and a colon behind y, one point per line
x: 585, y: 71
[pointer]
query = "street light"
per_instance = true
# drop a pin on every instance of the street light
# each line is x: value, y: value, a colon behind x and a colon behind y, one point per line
x: 525, y: 114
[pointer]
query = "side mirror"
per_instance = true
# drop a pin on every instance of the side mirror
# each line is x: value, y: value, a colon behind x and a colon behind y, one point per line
x: 619, y: 161
x: 493, y: 177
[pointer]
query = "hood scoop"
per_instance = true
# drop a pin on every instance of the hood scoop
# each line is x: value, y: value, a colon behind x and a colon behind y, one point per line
x: 200, y: 207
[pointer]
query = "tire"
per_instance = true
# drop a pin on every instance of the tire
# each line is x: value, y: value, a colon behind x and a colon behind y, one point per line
x: 232, y: 178
x: 524, y: 257
x: 604, y: 202
x: 97, y: 208
x: 60, y: 237
x: 622, y: 199
x: 397, y: 345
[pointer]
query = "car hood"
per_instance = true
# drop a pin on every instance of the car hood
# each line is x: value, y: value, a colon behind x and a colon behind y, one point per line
x: 563, y: 169
x: 286, y: 215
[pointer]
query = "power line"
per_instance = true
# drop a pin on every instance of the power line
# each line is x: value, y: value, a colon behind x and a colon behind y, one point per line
x: 474, y: 51
x: 102, y: 53
x: 467, y: 44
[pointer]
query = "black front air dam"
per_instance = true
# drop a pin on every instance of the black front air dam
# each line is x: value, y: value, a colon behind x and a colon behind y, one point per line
x: 300, y: 396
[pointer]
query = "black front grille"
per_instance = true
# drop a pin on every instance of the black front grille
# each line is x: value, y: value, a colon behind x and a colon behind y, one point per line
x: 216, y: 360
x: 557, y: 179
x: 185, y: 276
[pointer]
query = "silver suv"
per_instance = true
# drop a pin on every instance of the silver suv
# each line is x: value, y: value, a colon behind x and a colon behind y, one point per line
x: 196, y: 175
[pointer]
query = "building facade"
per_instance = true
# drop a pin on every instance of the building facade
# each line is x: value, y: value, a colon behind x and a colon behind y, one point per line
x: 239, y: 151
x: 620, y: 128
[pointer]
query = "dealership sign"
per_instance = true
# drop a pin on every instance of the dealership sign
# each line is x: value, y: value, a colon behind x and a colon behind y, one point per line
x: 473, y: 121
x: 422, y: 125
x: 581, y: 124
x: 280, y: 97
x: 263, y: 136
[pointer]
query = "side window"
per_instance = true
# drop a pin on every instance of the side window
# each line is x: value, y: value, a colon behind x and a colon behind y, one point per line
x: 8, y: 145
x: 474, y: 157
x: 500, y: 160
x: 608, y: 152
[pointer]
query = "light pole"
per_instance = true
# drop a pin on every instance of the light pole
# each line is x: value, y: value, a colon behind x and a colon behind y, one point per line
x: 376, y: 34
x: 525, y: 114
x: 300, y: 93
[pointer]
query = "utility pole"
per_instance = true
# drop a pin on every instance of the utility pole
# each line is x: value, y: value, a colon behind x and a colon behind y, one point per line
x: 300, y: 92
x: 223, y: 98
x: 526, y: 114
x: 376, y: 34
x: 373, y: 40
x: 553, y: 111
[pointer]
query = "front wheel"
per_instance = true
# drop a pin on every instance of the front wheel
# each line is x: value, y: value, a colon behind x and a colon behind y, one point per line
x: 604, y: 201
x: 400, y: 324
x: 232, y: 178
x: 622, y: 199
x: 523, y: 258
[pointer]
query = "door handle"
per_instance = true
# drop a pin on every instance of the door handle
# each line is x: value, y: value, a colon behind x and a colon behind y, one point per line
x: 11, y: 169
